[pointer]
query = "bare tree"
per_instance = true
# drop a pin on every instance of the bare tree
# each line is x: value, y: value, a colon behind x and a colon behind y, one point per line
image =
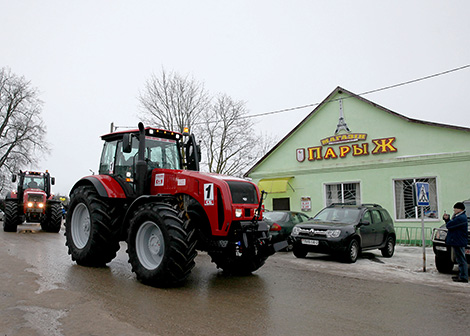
x: 22, y: 130
x: 230, y: 142
x: 172, y: 101
x: 227, y: 137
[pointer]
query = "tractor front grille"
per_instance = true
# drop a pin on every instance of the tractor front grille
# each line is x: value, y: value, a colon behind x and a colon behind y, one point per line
x: 35, y: 197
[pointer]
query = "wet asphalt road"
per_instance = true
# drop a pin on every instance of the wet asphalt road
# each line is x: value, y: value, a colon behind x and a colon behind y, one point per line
x: 42, y: 292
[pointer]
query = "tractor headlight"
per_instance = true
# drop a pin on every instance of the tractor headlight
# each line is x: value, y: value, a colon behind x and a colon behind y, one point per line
x: 30, y: 204
x: 41, y: 205
x: 238, y: 213
x: 333, y: 233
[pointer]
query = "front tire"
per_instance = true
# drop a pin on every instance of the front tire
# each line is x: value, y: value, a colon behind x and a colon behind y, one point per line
x: 444, y: 263
x: 11, y: 219
x: 89, y: 230
x: 231, y: 264
x: 161, y: 245
x: 52, y: 219
x: 242, y: 262
x: 352, y: 252
x: 299, y: 251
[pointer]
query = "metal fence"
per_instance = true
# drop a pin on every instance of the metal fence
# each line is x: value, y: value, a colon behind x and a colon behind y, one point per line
x: 411, y: 235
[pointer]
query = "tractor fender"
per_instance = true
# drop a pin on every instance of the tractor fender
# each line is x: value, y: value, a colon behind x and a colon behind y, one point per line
x: 106, y: 186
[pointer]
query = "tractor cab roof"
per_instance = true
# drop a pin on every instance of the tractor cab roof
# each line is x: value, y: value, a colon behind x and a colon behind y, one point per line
x: 149, y: 131
x: 33, y: 173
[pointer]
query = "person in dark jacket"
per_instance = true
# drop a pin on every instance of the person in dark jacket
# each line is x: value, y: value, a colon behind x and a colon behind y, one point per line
x: 457, y: 237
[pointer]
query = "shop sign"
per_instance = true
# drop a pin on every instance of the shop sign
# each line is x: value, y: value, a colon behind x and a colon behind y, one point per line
x: 378, y: 146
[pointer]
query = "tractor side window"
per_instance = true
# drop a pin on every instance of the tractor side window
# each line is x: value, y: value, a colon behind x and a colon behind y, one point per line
x: 107, y: 158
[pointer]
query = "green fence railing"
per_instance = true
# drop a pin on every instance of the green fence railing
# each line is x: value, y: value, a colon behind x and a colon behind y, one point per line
x: 411, y: 235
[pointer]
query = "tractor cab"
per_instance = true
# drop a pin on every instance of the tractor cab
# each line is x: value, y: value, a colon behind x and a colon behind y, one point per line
x: 32, y: 182
x: 151, y: 148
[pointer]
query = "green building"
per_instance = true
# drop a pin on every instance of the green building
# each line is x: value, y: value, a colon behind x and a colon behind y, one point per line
x: 350, y: 149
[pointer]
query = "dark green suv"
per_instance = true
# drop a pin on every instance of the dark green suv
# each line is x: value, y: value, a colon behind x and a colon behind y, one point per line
x: 346, y: 230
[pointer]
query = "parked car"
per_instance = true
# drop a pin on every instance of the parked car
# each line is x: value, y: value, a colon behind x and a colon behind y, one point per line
x: 346, y: 230
x: 281, y: 223
x: 443, y: 254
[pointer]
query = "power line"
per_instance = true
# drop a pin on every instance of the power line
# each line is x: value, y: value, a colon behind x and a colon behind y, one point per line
x: 361, y: 94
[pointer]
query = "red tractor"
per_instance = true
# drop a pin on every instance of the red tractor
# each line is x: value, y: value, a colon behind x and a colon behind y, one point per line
x: 32, y: 202
x: 149, y: 192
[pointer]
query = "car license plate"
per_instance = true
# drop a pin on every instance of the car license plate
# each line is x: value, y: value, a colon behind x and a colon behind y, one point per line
x: 310, y: 242
x: 467, y: 251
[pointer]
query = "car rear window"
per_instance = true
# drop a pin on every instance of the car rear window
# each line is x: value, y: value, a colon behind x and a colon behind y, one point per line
x: 275, y: 216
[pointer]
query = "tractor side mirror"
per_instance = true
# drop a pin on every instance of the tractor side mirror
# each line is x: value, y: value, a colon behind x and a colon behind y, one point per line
x: 127, y: 143
x: 52, y: 180
x: 13, y: 178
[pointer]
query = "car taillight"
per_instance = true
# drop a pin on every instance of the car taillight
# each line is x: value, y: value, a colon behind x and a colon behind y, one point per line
x: 275, y: 227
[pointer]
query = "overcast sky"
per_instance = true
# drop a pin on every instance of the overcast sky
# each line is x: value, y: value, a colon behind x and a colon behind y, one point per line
x: 91, y: 58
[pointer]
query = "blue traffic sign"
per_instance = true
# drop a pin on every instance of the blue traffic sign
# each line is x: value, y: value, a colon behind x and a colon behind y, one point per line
x: 422, y: 194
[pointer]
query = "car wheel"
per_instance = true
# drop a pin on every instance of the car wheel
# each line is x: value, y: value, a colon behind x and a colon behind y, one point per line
x: 444, y: 263
x: 352, y: 252
x: 389, y: 248
x: 299, y: 252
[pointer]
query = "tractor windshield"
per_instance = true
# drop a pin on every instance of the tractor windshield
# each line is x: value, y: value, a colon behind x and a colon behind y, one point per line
x: 33, y: 181
x: 162, y: 153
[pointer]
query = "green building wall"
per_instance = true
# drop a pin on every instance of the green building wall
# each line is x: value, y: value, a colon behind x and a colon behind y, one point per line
x: 423, y: 150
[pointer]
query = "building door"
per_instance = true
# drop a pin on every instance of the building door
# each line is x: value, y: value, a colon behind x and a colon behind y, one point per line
x: 281, y: 203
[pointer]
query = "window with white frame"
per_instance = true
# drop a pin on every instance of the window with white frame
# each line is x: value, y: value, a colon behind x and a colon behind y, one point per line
x: 404, y: 207
x: 343, y: 193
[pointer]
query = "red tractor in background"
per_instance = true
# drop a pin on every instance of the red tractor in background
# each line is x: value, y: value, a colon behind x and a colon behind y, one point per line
x: 149, y: 192
x: 32, y: 202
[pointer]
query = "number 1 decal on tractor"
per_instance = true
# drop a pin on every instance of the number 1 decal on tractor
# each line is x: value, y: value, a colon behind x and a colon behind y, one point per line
x: 209, y: 194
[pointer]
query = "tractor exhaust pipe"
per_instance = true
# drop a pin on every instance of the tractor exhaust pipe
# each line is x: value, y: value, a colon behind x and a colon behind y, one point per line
x: 141, y: 165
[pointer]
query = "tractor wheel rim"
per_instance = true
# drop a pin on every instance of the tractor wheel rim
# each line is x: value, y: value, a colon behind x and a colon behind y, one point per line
x: 150, y: 245
x: 80, y: 225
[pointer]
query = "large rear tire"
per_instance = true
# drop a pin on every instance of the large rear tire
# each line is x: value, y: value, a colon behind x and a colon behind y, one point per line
x: 11, y: 219
x: 90, y: 234
x: 161, y: 245
x: 52, y: 219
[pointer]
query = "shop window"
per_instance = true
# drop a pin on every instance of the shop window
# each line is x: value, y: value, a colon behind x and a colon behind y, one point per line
x: 281, y: 203
x: 343, y: 193
x: 405, y: 209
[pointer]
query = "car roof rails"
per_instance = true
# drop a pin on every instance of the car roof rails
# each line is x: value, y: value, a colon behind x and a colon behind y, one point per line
x: 372, y: 204
x: 348, y: 203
